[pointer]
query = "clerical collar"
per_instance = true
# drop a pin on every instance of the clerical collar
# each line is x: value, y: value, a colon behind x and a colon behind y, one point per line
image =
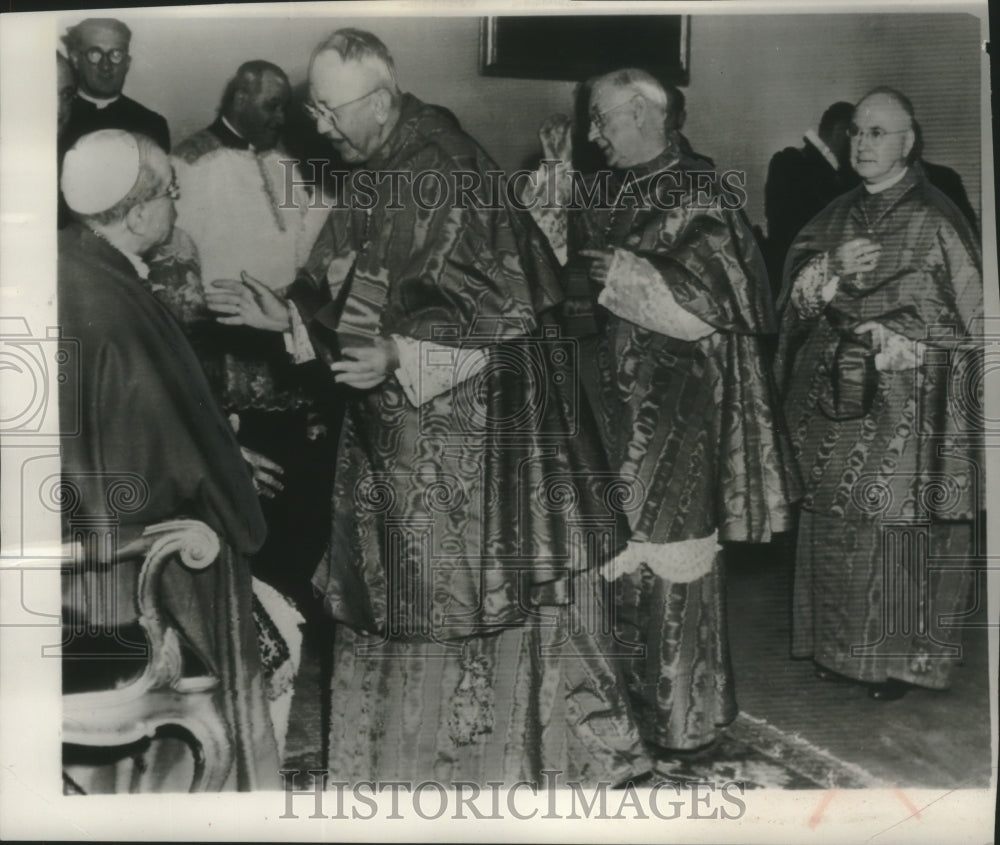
x: 140, y: 266
x: 885, y: 184
x: 244, y: 143
x: 100, y: 102
x: 812, y: 138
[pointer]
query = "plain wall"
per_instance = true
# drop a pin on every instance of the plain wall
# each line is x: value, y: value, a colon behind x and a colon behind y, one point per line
x: 757, y: 82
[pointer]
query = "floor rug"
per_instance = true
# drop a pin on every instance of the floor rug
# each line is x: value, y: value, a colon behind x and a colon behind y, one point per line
x: 761, y: 756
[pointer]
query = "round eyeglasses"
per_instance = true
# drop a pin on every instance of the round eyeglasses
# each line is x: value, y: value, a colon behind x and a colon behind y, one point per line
x: 318, y: 112
x: 876, y: 134
x: 599, y: 118
x: 95, y: 55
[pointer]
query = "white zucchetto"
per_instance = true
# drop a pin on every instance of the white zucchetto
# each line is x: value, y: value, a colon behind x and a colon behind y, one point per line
x: 99, y: 170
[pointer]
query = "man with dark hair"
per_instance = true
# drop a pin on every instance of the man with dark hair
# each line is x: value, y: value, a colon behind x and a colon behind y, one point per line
x: 98, y: 49
x: 881, y: 290
x: 675, y: 120
x: 234, y: 217
x: 802, y: 181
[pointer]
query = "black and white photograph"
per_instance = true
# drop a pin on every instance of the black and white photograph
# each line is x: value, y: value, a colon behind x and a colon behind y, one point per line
x: 561, y: 421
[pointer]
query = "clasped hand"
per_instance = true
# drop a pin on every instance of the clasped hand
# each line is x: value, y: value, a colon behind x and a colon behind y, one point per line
x: 247, y: 302
x: 855, y: 256
x: 365, y: 367
x: 600, y: 263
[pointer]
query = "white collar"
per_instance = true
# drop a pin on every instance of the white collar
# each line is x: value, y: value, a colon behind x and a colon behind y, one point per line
x: 100, y: 102
x: 140, y: 266
x: 232, y: 129
x: 884, y: 185
x: 812, y: 138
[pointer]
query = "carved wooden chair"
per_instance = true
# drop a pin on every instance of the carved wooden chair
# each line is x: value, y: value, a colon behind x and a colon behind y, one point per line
x: 161, y: 699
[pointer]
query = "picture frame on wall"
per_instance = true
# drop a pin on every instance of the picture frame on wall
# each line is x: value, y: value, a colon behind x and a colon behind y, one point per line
x: 574, y: 48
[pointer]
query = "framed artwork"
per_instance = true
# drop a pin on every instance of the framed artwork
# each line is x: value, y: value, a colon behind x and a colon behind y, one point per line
x: 576, y: 47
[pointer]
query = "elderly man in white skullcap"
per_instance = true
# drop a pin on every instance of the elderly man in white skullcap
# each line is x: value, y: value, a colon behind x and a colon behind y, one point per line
x: 147, y: 418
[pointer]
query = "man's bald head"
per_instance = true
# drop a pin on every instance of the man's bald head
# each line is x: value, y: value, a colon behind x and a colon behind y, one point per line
x: 884, y: 133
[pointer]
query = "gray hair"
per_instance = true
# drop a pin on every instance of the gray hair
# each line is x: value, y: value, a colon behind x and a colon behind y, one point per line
x: 361, y: 47
x: 73, y: 39
x: 640, y: 82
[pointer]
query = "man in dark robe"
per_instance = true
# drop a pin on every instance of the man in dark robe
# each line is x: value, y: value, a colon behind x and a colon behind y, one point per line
x: 801, y: 181
x: 148, y: 423
x: 98, y: 49
x: 671, y: 296
x: 234, y: 216
x: 881, y: 290
x: 460, y: 584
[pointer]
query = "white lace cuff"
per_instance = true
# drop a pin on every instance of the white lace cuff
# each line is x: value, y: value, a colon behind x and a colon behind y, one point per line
x: 546, y: 195
x: 297, y: 342
x: 895, y: 352
x: 814, y: 287
x: 638, y: 293
x: 427, y: 370
x: 680, y: 562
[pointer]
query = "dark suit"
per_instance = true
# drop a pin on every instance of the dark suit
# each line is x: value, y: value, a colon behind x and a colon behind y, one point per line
x: 949, y: 183
x: 800, y: 184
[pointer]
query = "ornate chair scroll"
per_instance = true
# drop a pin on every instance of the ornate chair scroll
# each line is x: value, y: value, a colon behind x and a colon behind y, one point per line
x: 162, y: 698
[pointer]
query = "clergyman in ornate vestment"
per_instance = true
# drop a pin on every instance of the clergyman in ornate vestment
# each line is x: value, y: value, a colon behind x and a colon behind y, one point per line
x: 881, y: 289
x: 470, y: 644
x: 668, y: 292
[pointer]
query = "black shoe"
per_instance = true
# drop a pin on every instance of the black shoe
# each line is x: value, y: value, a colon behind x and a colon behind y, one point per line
x: 830, y: 676
x: 891, y: 690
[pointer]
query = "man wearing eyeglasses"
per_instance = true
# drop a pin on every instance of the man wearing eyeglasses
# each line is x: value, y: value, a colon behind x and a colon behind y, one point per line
x: 146, y: 410
x: 98, y: 49
x: 881, y: 289
x: 457, y: 589
x: 670, y: 297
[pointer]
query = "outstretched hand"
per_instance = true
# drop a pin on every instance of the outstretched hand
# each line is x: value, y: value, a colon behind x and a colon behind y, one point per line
x: 266, y: 473
x: 247, y: 302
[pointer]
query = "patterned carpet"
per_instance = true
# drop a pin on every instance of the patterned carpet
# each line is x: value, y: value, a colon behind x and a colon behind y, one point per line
x: 759, y: 755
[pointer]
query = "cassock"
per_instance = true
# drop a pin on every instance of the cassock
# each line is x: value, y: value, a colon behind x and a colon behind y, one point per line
x: 471, y: 497
x: 688, y: 409
x: 888, y: 451
x: 148, y: 420
x: 122, y: 112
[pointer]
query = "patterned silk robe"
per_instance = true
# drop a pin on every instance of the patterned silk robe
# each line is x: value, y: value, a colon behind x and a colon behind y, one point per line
x: 466, y: 516
x: 688, y: 413
x: 892, y: 478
